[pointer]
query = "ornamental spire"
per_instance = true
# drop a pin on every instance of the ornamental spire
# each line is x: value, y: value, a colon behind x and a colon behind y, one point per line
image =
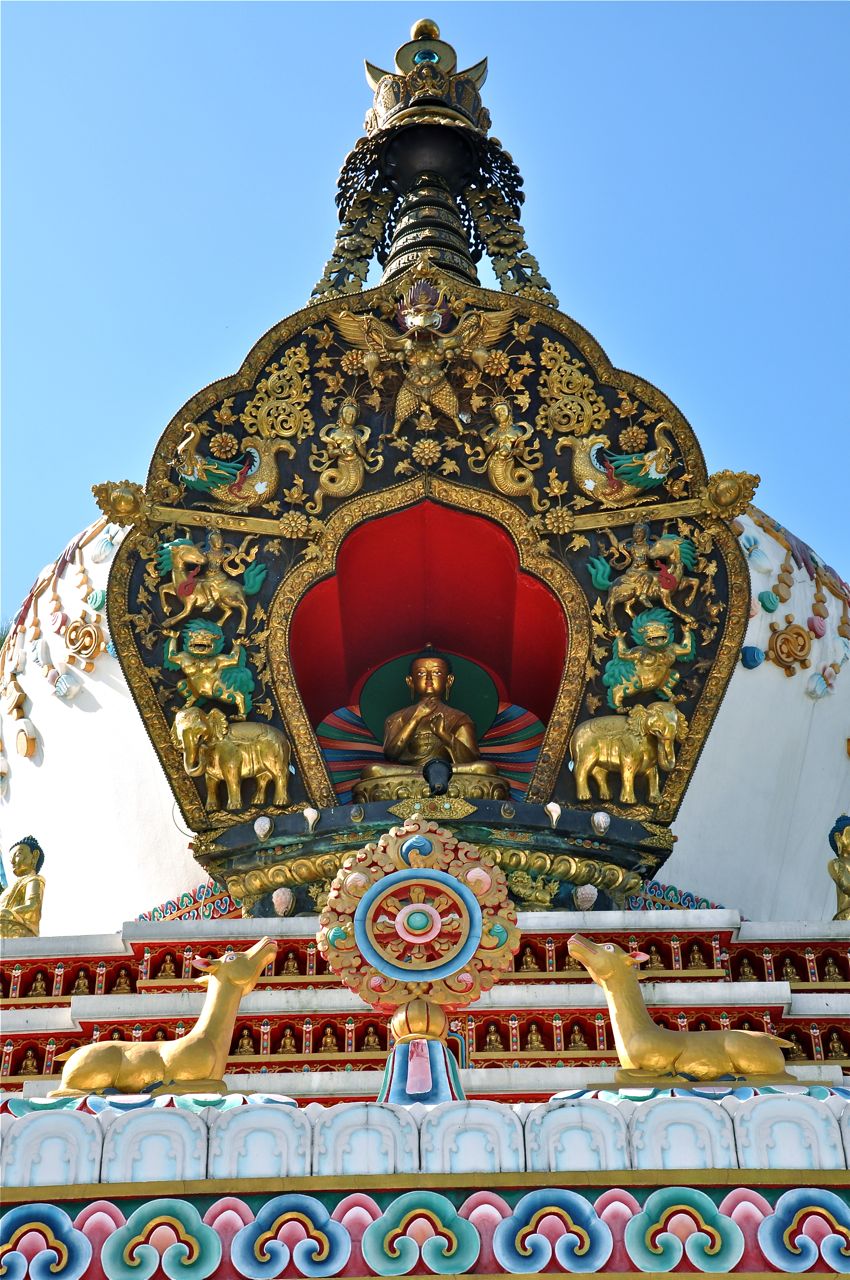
x: 427, y: 177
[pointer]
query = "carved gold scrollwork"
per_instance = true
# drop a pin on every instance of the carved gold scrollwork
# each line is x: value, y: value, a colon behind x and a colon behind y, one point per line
x: 789, y: 646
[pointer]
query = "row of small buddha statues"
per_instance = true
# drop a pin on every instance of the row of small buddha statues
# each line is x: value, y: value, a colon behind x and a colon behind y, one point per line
x: 122, y: 983
x: 246, y: 1045
x: 836, y: 1048
x: 532, y: 1041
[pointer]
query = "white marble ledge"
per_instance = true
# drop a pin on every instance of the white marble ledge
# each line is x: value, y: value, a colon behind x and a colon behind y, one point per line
x: 477, y: 1082
x: 215, y: 932
x: 62, y: 945
x: 628, y: 921
x: 657, y: 995
x: 307, y: 1001
x: 795, y: 931
x: 39, y: 1018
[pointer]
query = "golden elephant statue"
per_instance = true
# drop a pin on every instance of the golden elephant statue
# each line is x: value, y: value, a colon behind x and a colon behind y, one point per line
x: 229, y: 751
x: 640, y: 743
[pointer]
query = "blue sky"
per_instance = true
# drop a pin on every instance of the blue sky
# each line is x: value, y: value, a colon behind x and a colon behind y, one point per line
x: 168, y: 181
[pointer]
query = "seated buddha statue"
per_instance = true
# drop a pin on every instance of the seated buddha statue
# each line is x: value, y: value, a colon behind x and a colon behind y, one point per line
x: 429, y: 730
x: 287, y: 1041
x: 38, y: 988
x: 534, y: 1040
x: 493, y: 1042
x: 21, y: 902
x: 831, y: 971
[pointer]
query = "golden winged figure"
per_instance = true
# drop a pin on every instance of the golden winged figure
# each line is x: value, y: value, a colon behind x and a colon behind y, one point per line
x: 423, y: 347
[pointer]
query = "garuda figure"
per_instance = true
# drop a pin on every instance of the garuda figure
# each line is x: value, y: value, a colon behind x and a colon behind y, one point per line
x: 207, y: 672
x: 424, y: 347
x: 649, y: 667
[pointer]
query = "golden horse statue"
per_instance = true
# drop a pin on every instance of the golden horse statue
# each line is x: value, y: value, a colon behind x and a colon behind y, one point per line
x: 193, y: 1064
x: 648, y: 1052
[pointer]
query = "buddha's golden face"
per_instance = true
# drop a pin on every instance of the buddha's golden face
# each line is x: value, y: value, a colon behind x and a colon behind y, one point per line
x: 23, y: 859
x: 429, y: 678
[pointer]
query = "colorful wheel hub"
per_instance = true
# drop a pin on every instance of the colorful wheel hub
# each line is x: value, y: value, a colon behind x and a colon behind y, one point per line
x: 419, y: 914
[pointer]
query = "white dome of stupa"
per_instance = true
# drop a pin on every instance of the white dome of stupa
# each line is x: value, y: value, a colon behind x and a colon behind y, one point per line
x: 81, y: 775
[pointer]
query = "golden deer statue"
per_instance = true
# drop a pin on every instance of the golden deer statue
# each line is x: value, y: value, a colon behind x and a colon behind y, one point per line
x: 193, y: 1064
x: 648, y: 1052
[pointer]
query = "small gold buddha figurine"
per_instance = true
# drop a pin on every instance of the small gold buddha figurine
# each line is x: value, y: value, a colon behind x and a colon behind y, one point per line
x: 836, y: 1047
x: 330, y: 1044
x: 116, y: 1035
x: 702, y: 1025
x: 290, y: 964
x: 22, y: 900
x: 159, y: 1034
x: 573, y: 964
x: 493, y: 1042
x: 577, y: 1040
x: 831, y: 971
x: 122, y: 985
x: 167, y: 969
x: 746, y: 1025
x: 245, y: 1044
x: 38, y: 986
x: 82, y: 986
x: 370, y: 1039
x: 528, y: 961
x: 789, y: 970
x: 429, y: 730
x: 287, y: 1042
x: 29, y: 1066
x: 534, y: 1039
x: 746, y: 973
x: 797, y: 1050
x: 655, y: 961
x: 696, y: 960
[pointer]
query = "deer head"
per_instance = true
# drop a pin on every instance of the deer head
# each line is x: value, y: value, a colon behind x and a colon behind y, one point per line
x: 604, y: 961
x: 238, y: 968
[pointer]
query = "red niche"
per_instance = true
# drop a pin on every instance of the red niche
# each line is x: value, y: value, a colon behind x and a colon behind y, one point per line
x: 428, y: 575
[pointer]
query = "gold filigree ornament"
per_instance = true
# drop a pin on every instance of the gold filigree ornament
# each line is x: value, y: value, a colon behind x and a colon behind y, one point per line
x: 420, y: 915
x: 122, y: 501
x: 789, y: 646
x: 729, y: 493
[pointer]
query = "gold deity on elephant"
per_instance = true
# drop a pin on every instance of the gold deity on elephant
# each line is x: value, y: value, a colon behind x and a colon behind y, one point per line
x: 207, y: 579
x: 650, y: 666
x: 507, y: 456
x: 637, y: 745
x: 424, y: 347
x: 231, y: 751
x: 346, y: 458
x: 207, y: 671
x: 429, y: 730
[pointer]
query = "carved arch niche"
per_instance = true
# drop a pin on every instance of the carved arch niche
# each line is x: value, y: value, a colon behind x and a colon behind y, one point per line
x: 429, y: 567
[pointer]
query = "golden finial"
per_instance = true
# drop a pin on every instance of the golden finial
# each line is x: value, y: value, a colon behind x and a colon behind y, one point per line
x: 425, y: 29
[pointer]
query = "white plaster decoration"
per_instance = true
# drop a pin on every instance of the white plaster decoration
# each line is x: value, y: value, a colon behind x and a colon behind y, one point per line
x: 471, y: 1137
x: 261, y: 1141
x: 776, y: 754
x: 356, y: 1137
x: 576, y: 1133
x: 786, y: 1131
x: 57, y: 1149
x: 681, y: 1133
x: 154, y: 1144
x: 844, y: 1126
